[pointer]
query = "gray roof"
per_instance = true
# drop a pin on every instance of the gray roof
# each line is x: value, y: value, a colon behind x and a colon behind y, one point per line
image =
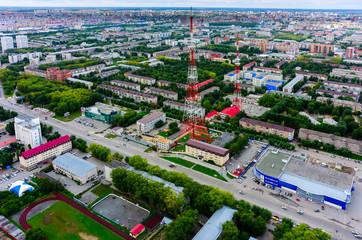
x: 294, y: 81
x: 213, y: 227
x: 24, y: 117
x: 74, y: 164
x: 207, y: 147
x: 266, y: 124
x: 151, y: 117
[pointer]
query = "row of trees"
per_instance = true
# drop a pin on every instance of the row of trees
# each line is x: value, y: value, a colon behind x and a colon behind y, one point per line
x: 79, y: 143
x: 237, y: 144
x: 127, y: 119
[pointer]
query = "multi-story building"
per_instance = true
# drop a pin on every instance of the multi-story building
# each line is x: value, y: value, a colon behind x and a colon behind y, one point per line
x: 14, y: 58
x: 269, y: 128
x: 28, y: 130
x: 128, y: 85
x: 75, y: 168
x: 161, y: 83
x: 87, y: 83
x: 140, y: 79
x: 22, y: 41
x: 55, y: 73
x: 206, y: 152
x: 137, y: 96
x: 52, y: 73
x: 267, y: 70
x: 147, y: 123
x: 50, y: 58
x: 249, y: 65
x: 338, y: 102
x: 31, y: 158
x: 321, y: 48
x: 290, y: 85
x: 337, y: 94
x: 233, y: 76
x: 200, y: 112
x: 95, y: 67
x: 106, y: 74
x: 350, y: 52
x: 354, y: 146
x: 308, y: 75
x: 35, y: 71
x: 343, y: 85
x: 7, y: 43
x: 165, y: 93
x: 338, y: 72
x: 295, y: 95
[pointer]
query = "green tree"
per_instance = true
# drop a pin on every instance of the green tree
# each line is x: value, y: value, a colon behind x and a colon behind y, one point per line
x: 34, y: 234
x: 10, y: 128
x: 229, y: 231
x: 182, y: 226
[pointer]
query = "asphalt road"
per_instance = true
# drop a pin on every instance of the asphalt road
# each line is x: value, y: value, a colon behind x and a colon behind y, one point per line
x: 254, y: 197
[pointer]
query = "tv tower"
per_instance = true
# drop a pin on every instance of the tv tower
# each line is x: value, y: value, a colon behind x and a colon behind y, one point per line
x: 237, y: 101
x: 193, y: 123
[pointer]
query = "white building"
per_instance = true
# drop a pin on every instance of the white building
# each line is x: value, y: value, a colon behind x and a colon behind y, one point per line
x: 75, y: 168
x: 28, y: 130
x: 7, y: 43
x: 147, y: 123
x: 22, y: 41
x: 51, y: 58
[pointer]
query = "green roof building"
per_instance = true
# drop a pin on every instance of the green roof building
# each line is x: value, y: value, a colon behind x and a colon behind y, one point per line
x: 102, y: 112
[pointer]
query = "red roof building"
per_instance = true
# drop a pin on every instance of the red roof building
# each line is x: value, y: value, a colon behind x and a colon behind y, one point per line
x: 7, y: 142
x: 249, y: 65
x: 29, y: 159
x: 211, y: 115
x: 204, y: 83
x: 153, y: 221
x: 230, y: 111
x: 137, y: 230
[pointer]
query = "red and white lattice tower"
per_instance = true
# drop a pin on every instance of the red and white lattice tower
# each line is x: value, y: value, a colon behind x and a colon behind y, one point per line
x: 193, y: 122
x: 237, y: 101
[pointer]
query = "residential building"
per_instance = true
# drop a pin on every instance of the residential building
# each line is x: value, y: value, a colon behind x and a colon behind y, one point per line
x: 87, y: 83
x: 161, y: 83
x: 339, y: 72
x: 28, y: 130
x: 308, y: 75
x: 295, y: 95
x: 230, y: 111
x: 165, y: 93
x: 55, y: 73
x: 147, y: 123
x: 338, y: 102
x: 269, y: 128
x: 206, y: 152
x: 137, y: 96
x: 35, y: 71
x: 128, y: 85
x: 290, y: 85
x: 350, y: 52
x: 7, y: 43
x: 354, y: 146
x: 50, y: 58
x: 182, y: 107
x: 343, y: 85
x: 249, y: 65
x: 211, y: 116
x: 102, y: 112
x: 75, y: 168
x: 213, y: 227
x: 31, y: 158
x: 106, y: 74
x: 337, y: 94
x: 95, y: 67
x: 321, y: 48
x: 22, y: 41
x: 209, y: 90
x: 140, y: 79
x: 267, y: 70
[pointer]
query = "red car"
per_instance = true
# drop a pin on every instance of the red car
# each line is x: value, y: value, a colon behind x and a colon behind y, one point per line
x: 298, y: 199
x: 322, y: 207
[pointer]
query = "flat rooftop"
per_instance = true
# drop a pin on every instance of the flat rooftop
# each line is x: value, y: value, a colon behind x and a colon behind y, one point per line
x: 272, y: 164
x: 327, y: 176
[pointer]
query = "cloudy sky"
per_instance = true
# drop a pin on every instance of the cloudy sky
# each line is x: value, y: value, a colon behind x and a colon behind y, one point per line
x: 304, y: 4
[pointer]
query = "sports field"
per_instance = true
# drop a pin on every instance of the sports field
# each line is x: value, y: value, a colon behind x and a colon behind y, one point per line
x: 62, y: 221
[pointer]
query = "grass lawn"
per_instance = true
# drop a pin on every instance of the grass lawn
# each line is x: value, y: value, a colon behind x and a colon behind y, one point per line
x: 179, y: 148
x: 163, y: 134
x: 110, y: 136
x: 180, y: 161
x: 61, y: 221
x: 101, y: 190
x: 184, y: 139
x: 71, y: 117
x: 209, y: 172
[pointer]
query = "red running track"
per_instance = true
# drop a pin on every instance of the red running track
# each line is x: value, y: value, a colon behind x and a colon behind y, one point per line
x: 60, y: 197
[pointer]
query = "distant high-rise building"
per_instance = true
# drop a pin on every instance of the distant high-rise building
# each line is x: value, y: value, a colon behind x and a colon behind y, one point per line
x: 350, y: 52
x: 7, y: 43
x: 28, y: 130
x: 22, y: 41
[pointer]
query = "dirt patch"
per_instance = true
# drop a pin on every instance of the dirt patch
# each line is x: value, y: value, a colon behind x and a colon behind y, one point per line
x: 48, y: 219
x: 70, y: 227
x: 85, y: 236
x: 348, y: 170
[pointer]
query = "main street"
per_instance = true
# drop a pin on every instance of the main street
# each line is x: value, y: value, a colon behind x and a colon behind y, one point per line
x: 254, y: 197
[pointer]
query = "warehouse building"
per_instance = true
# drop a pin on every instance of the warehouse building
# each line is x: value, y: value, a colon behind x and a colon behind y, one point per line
x: 31, y: 158
x: 147, y: 123
x: 75, y: 168
x: 102, y: 112
x: 269, y: 128
x: 205, y: 151
x: 308, y: 181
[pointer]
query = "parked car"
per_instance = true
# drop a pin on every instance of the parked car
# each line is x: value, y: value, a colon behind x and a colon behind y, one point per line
x: 322, y: 207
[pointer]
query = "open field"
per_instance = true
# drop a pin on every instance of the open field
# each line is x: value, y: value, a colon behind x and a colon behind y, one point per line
x: 209, y: 172
x: 71, y: 117
x: 61, y: 221
x: 180, y: 161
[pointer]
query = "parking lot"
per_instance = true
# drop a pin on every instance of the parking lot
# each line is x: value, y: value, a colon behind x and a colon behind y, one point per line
x: 89, y: 124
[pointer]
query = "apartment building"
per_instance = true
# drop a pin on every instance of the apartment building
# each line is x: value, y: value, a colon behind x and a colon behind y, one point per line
x: 31, y: 158
x: 267, y: 70
x: 249, y: 65
x: 137, y: 96
x: 308, y: 75
x: 339, y: 72
x: 106, y: 74
x: 55, y: 73
x: 206, y: 152
x: 128, y: 85
x: 28, y: 130
x: 354, y: 146
x: 147, y: 123
x: 87, y: 83
x: 7, y: 43
x: 343, y: 85
x: 321, y: 48
x: 290, y: 85
x: 233, y: 76
x: 337, y: 94
x: 182, y: 106
x: 161, y: 83
x: 338, y: 102
x: 95, y: 67
x: 140, y: 79
x: 268, y: 128
x: 164, y: 93
x: 35, y: 71
x: 22, y: 41
x: 295, y: 95
x: 75, y: 168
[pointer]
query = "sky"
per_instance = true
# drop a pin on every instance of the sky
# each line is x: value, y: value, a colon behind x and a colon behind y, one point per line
x: 284, y: 4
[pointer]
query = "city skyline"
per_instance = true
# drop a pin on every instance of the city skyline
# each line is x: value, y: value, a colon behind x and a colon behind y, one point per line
x: 262, y: 4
